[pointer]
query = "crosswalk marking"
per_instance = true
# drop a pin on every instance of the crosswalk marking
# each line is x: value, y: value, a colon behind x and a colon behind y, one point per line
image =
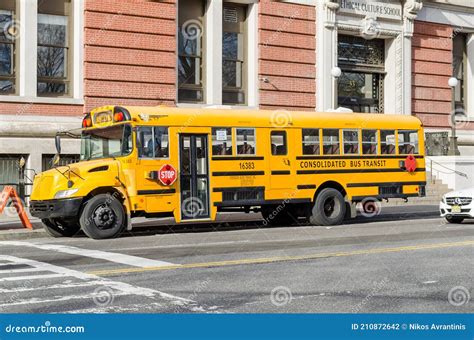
x: 31, y: 277
x: 130, y: 260
x: 115, y: 287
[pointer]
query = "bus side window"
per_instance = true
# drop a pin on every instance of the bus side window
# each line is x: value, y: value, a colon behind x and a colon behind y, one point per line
x: 331, y: 142
x: 152, y: 142
x: 407, y: 142
x: 144, y: 141
x: 387, y: 142
x: 351, y: 142
x: 310, y: 142
x: 245, y: 141
x: 161, y: 139
x: 221, y: 141
x: 278, y: 143
x: 369, y: 142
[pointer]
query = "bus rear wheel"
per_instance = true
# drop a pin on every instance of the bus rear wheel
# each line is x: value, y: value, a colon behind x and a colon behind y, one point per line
x: 329, y: 208
x: 103, y: 216
x: 55, y: 227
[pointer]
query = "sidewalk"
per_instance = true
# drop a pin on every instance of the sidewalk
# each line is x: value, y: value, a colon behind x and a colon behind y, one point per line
x: 12, y: 229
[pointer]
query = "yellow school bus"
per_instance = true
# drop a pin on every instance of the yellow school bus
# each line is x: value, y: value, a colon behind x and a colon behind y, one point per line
x: 191, y: 164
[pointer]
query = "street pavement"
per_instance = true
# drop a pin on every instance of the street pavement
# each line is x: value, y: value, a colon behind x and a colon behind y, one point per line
x: 406, y: 259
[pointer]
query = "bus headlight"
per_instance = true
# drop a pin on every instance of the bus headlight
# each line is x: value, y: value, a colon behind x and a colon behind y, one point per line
x: 65, y: 193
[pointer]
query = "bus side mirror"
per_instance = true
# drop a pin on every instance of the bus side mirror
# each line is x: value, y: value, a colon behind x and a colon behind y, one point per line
x: 56, y: 159
x: 57, y: 141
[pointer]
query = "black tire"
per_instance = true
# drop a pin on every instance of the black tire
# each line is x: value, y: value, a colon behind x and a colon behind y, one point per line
x: 454, y: 219
x: 278, y: 215
x: 329, y: 208
x: 55, y: 227
x: 103, y: 216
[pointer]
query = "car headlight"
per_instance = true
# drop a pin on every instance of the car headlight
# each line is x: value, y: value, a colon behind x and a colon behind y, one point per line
x: 65, y: 193
x: 443, y: 199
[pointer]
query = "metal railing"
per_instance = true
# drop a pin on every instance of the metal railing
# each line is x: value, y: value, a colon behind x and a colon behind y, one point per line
x: 446, y: 171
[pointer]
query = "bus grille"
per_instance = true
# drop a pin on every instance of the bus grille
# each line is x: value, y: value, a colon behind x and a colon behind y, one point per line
x: 242, y: 195
x: 390, y: 190
x: 458, y: 200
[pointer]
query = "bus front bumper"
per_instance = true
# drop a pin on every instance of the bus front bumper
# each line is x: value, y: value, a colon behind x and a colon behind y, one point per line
x: 61, y: 208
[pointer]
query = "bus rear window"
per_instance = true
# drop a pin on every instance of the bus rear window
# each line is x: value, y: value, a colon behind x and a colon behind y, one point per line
x: 387, y: 142
x: 407, y: 142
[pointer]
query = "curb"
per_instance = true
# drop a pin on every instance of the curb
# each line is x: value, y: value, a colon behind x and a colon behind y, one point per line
x: 6, y: 235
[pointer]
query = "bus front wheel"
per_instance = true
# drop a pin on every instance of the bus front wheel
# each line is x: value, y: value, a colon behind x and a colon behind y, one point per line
x: 329, y: 208
x: 103, y: 216
x: 61, y: 228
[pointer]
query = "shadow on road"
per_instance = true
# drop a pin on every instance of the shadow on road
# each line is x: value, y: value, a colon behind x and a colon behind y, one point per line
x: 231, y: 222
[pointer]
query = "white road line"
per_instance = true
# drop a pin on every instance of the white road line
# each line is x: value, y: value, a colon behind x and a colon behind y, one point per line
x: 20, y: 270
x: 123, y: 288
x: 31, y: 277
x: 130, y: 260
x: 80, y: 284
x: 33, y: 301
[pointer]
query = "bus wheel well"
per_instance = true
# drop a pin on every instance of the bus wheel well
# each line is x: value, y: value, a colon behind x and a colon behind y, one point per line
x: 330, y: 184
x: 106, y: 190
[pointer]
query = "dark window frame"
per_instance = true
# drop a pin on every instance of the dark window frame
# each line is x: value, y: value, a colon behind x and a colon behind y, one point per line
x: 283, y: 134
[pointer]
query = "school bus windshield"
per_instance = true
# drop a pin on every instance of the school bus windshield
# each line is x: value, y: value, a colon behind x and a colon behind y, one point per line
x: 114, y: 141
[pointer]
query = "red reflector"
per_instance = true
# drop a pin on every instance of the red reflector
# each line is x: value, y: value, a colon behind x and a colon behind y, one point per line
x: 118, y: 117
x: 86, y: 123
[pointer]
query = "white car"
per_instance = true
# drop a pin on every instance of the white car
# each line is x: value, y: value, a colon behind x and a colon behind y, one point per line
x: 455, y: 206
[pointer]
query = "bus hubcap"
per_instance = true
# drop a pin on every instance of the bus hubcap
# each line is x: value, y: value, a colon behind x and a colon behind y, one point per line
x: 329, y: 207
x: 104, y: 217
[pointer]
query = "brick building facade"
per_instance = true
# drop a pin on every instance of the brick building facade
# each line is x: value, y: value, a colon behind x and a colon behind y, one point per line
x: 394, y: 56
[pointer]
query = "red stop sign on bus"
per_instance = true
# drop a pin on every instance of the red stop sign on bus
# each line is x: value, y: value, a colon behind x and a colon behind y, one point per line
x: 167, y: 174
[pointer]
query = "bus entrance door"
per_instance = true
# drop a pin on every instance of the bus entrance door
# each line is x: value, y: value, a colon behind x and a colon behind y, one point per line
x: 194, y: 176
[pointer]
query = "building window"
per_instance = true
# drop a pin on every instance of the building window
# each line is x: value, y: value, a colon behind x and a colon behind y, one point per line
x: 459, y: 69
x: 360, y: 86
x: 233, y: 54
x: 8, y: 34
x: 190, y: 48
x: 53, y: 47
